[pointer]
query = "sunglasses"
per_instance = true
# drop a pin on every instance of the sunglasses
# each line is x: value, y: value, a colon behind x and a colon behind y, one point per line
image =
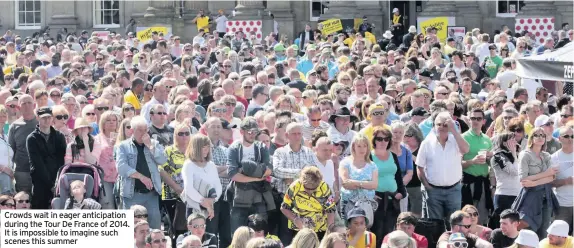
x: 443, y: 93
x: 158, y: 113
x: 129, y: 109
x: 10, y: 205
x: 248, y: 87
x: 507, y: 117
x: 181, y: 134
x: 568, y: 136
x: 465, y: 226
x: 12, y: 106
x: 252, y: 132
x: 141, y: 216
x: 157, y: 241
x: 476, y: 118
x: 315, y: 120
x: 459, y: 244
x: 9, y: 78
x: 103, y: 108
x: 84, y: 103
x: 229, y: 104
x: 148, y: 89
x: 234, y: 78
x: 381, y: 139
x: 23, y: 201
x: 99, y: 59
x: 199, y: 226
x: 88, y: 114
x: 55, y: 95
x: 219, y: 110
x: 378, y: 113
x: 517, y: 130
x: 475, y: 214
x: 59, y: 117
x: 565, y: 116
x: 538, y: 135
x: 441, y: 124
x: 128, y: 127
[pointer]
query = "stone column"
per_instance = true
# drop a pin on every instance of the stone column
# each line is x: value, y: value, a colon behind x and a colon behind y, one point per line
x: 63, y: 15
x: 341, y: 9
x: 249, y: 10
x: 439, y: 8
x: 283, y: 13
x: 564, y: 8
x: 468, y: 14
x: 538, y: 9
x: 373, y: 11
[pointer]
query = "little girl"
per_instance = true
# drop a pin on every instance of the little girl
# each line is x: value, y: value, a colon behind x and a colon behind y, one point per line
x: 77, y: 201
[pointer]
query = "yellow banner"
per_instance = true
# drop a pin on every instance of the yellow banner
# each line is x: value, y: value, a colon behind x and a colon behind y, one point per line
x: 440, y: 23
x: 330, y: 26
x: 145, y: 33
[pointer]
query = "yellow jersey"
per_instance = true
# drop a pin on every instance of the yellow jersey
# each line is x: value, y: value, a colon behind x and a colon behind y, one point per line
x: 313, y: 209
x: 369, y: 240
x: 132, y: 99
x: 203, y: 23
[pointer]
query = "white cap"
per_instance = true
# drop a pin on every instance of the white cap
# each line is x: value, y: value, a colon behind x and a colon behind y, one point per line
x: 541, y: 120
x: 396, y: 10
x: 559, y: 228
x: 528, y: 238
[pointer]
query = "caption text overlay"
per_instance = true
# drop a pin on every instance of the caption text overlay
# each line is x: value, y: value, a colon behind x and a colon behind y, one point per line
x: 66, y: 228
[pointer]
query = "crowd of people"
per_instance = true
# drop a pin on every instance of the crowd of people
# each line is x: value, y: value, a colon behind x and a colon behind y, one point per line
x: 329, y: 141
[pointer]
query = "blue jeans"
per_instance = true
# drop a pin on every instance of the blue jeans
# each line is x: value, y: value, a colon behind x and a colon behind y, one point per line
x: 151, y: 202
x: 239, y: 214
x: 441, y: 203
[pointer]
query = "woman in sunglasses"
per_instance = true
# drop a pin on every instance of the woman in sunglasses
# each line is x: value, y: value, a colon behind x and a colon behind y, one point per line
x: 7, y: 202
x: 172, y: 178
x: 109, y: 123
x: 390, y: 187
x: 536, y: 200
x: 60, y: 120
x: 504, y: 161
x: 22, y: 200
x: 83, y: 148
x: 476, y: 229
x: 125, y: 131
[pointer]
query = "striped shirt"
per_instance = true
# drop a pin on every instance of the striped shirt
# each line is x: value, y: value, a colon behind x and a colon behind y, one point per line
x: 287, y: 164
x: 308, y: 129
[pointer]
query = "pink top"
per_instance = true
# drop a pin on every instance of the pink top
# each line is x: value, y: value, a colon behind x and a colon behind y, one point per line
x: 106, y: 158
x: 71, y: 122
x: 82, y: 158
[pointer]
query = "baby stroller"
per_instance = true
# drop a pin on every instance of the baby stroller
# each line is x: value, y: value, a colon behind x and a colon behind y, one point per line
x: 91, y: 175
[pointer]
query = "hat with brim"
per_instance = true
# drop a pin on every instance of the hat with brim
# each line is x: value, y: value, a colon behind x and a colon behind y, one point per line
x: 44, y: 112
x: 425, y: 73
x: 342, y: 112
x: 387, y: 34
x: 82, y: 122
x: 528, y: 238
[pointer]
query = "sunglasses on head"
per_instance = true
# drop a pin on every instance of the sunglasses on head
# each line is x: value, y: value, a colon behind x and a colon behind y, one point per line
x: 60, y: 117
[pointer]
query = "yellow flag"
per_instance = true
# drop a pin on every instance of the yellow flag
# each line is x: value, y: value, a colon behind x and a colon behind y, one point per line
x: 145, y: 33
x: 440, y: 23
x: 330, y: 26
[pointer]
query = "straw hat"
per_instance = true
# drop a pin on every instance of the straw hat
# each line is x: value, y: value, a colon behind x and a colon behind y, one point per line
x: 82, y: 122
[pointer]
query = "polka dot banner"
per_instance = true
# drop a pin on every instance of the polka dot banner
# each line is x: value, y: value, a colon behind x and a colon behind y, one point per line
x: 248, y: 28
x: 542, y: 27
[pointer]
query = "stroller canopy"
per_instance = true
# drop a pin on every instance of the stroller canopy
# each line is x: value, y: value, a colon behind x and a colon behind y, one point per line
x: 554, y: 66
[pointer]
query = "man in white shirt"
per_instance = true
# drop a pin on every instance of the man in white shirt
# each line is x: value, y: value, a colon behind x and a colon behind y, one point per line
x: 441, y: 177
x: 221, y: 24
x: 563, y: 159
x: 482, y: 50
x: 323, y: 150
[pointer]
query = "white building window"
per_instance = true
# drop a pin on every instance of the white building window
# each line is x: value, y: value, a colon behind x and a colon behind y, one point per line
x: 106, y: 13
x: 508, y: 8
x: 317, y: 8
x: 28, y: 14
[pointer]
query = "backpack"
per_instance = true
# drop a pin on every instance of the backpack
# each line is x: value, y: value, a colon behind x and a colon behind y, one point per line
x: 482, y: 72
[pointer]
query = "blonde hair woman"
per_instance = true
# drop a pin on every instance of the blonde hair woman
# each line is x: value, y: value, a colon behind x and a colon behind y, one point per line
x: 61, y: 117
x: 240, y: 237
x: 183, y: 115
x: 125, y: 131
x: 359, y: 177
x: 255, y: 242
x: 334, y: 240
x: 475, y: 228
x: 109, y: 123
x: 305, y: 238
x: 187, y: 67
x: 201, y: 185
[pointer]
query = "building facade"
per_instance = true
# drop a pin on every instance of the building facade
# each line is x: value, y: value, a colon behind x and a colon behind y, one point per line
x: 29, y: 16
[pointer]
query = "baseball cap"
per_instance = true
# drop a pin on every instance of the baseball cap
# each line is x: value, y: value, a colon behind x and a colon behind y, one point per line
x: 420, y: 111
x: 528, y: 238
x: 559, y: 228
x: 279, y: 48
x: 249, y: 123
x: 456, y: 237
x: 43, y: 112
x: 541, y: 120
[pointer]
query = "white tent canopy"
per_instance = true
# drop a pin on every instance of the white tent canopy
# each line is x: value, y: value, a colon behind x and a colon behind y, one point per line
x: 556, y: 65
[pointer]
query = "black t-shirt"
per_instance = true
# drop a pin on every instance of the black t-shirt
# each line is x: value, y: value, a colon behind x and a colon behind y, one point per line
x: 499, y: 240
x: 415, y: 181
x: 163, y: 135
x: 142, y: 168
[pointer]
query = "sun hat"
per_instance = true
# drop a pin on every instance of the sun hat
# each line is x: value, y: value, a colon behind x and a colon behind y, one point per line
x: 558, y: 228
x: 82, y: 122
x: 342, y: 112
x: 528, y: 238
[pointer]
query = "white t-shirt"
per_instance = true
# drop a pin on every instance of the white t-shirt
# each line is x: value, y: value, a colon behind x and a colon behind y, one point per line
x: 482, y: 52
x: 221, y: 24
x: 505, y: 78
x: 328, y: 172
x: 248, y: 153
x: 438, y: 170
x: 565, y: 164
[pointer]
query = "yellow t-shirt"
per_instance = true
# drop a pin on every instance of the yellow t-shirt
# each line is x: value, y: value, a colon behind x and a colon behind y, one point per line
x: 313, y: 209
x: 568, y: 244
x: 10, y: 69
x: 349, y: 41
x: 203, y: 23
x: 131, y: 98
x: 173, y: 166
x: 369, y: 240
x: 368, y: 131
x: 528, y: 128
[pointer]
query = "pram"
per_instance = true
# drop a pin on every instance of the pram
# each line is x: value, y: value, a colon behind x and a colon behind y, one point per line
x: 90, y: 174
